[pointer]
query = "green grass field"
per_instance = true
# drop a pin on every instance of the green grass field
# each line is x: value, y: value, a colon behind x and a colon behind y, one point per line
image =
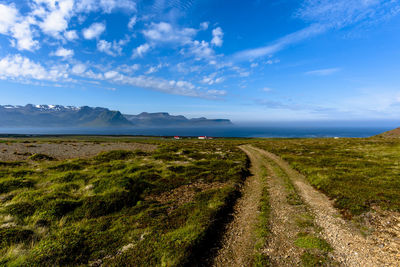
x: 105, y: 209
x: 158, y: 208
x: 357, y: 173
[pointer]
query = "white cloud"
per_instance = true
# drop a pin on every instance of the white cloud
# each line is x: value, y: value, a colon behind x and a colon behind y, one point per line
x: 62, y: 52
x: 219, y: 80
x: 207, y: 80
x: 79, y: 68
x: 141, y: 50
x: 23, y: 69
x: 218, y: 35
x: 52, y: 18
x: 280, y: 44
x: 132, y: 22
x: 154, y: 69
x: 23, y: 34
x: 107, y: 6
x: 8, y: 17
x: 266, y: 89
x: 106, y: 47
x: 272, y: 61
x: 96, y: 76
x: 211, y: 79
x: 94, y: 31
x: 164, y: 32
x: 128, y: 69
x: 71, y: 35
x: 204, y: 25
x: 112, y: 49
x: 183, y: 88
x: 323, y: 72
x: 216, y: 92
x: 326, y: 15
x: 111, y: 74
x: 340, y: 13
x: 201, y: 50
x: 56, y: 20
x: 17, y: 27
x: 19, y: 67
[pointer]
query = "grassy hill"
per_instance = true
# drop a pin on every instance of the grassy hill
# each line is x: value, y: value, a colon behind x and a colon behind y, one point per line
x: 395, y: 133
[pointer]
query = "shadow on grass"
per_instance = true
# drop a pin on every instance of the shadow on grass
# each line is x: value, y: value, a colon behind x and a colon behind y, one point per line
x: 204, y: 253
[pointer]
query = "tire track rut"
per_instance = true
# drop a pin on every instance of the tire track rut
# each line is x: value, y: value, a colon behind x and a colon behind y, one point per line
x: 350, y: 247
x: 238, y: 241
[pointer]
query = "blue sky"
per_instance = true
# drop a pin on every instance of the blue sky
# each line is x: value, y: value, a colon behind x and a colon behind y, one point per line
x: 253, y: 60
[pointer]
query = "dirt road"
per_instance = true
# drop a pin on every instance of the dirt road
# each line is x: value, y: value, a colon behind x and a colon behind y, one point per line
x: 238, y: 241
x: 350, y: 248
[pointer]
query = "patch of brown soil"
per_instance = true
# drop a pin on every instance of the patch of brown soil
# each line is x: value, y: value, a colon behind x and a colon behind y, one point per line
x: 65, y: 150
x: 350, y: 247
x: 184, y: 194
x: 385, y: 226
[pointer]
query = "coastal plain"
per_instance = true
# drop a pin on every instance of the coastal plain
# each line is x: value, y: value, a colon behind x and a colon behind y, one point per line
x: 138, y: 201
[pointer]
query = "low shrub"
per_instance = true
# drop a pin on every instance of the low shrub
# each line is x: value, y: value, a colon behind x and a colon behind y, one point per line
x: 66, y: 247
x: 11, y: 163
x: 61, y: 207
x: 114, y: 155
x: 41, y: 157
x: 68, y: 166
x: 12, y: 235
x: 72, y: 177
x: 11, y: 184
x: 22, y: 173
x: 100, y: 205
x: 20, y: 209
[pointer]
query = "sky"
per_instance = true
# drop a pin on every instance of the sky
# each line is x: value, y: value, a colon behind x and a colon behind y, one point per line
x: 253, y: 60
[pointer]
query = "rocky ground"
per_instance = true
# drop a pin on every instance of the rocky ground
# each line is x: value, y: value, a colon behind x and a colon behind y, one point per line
x: 64, y: 150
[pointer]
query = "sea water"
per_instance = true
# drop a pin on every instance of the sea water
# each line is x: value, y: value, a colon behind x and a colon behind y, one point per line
x: 274, y: 131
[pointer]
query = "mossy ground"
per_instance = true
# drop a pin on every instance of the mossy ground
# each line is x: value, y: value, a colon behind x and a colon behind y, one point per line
x: 315, y: 250
x: 356, y: 173
x: 263, y: 228
x: 97, y: 210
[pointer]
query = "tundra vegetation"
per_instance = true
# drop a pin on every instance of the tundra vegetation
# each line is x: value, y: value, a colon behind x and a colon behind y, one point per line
x: 118, y: 207
x: 358, y: 174
x: 158, y: 208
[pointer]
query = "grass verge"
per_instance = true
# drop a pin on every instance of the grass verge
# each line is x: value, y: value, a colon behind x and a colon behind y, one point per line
x: 315, y: 250
x: 357, y: 173
x: 263, y: 230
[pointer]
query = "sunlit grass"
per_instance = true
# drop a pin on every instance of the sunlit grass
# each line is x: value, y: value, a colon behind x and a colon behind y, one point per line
x: 80, y: 211
x: 356, y: 173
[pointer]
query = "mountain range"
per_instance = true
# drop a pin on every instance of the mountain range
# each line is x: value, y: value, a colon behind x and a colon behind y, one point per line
x: 69, y: 116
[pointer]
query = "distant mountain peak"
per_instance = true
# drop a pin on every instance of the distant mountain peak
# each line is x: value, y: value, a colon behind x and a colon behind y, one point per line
x: 42, y: 115
x: 41, y: 107
x: 32, y: 115
x: 159, y: 119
